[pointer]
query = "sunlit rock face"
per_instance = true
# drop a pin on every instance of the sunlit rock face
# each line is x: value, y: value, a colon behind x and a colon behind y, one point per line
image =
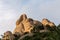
x: 8, y: 36
x: 46, y: 22
x: 24, y: 24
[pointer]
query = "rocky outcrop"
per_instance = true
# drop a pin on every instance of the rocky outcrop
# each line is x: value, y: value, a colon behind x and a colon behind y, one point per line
x: 24, y: 24
x: 46, y: 22
x: 8, y: 36
x: 28, y: 27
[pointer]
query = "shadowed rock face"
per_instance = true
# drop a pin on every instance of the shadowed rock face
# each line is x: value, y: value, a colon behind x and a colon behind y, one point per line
x: 8, y: 36
x: 24, y: 24
x: 7, y: 33
x: 46, y: 22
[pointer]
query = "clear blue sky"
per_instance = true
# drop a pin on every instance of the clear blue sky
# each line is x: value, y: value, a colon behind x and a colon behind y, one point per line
x: 10, y: 10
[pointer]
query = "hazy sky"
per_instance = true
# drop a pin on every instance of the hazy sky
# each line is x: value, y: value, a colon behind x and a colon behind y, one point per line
x: 10, y: 10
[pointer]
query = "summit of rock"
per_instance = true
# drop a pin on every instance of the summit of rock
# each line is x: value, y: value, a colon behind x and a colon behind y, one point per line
x: 46, y: 22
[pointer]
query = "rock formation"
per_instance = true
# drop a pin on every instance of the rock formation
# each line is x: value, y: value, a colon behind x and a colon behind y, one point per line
x: 8, y: 36
x: 24, y: 24
x: 46, y: 22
